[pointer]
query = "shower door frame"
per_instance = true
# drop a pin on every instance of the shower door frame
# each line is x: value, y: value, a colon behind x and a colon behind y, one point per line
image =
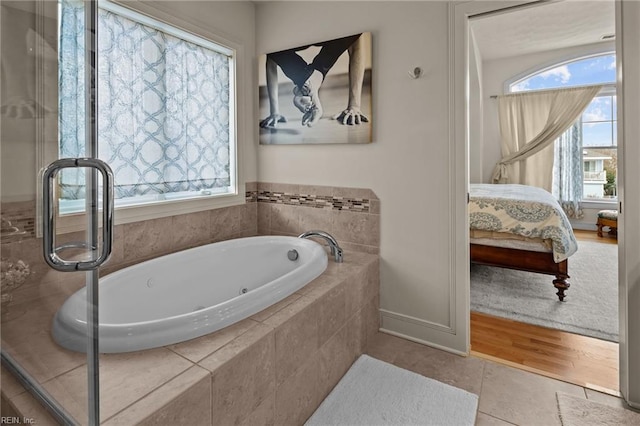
x: 92, y: 223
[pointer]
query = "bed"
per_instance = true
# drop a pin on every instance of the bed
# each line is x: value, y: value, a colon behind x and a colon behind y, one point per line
x: 520, y: 227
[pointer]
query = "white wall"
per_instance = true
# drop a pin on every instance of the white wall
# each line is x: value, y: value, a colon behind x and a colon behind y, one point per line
x: 407, y: 164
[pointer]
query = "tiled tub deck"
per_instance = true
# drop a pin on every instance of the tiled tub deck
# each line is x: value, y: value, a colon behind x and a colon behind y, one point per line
x: 272, y: 368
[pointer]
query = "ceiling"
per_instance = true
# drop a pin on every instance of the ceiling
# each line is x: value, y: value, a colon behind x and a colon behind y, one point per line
x: 542, y: 27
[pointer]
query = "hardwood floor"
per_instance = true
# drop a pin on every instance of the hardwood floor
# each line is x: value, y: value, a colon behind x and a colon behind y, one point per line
x: 592, y: 236
x: 581, y: 360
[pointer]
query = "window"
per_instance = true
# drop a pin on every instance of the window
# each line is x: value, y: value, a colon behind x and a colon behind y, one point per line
x: 166, y: 113
x: 600, y: 151
x: 596, y: 129
x: 581, y: 72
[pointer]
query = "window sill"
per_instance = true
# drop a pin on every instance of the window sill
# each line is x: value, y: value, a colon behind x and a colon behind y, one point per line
x: 600, y: 204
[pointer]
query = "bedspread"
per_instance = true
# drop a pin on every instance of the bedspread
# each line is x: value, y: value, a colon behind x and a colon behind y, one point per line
x: 522, y: 210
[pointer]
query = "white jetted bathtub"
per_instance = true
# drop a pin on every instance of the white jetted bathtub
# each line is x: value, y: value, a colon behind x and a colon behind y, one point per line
x: 191, y: 293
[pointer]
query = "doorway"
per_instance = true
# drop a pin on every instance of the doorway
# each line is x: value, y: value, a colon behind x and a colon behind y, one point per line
x: 512, y: 57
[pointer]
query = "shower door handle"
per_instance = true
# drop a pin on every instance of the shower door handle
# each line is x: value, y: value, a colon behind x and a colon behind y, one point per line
x: 49, y: 222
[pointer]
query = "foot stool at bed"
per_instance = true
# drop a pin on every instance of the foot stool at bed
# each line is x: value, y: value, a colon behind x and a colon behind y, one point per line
x: 608, y: 218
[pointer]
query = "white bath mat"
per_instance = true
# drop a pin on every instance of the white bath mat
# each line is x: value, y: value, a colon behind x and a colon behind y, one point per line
x: 576, y: 411
x: 374, y: 392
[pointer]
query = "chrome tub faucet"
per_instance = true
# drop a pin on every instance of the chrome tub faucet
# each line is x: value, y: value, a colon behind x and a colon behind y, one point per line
x: 336, y: 251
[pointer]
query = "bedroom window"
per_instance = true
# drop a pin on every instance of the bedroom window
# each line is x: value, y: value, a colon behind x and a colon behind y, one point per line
x: 594, y: 135
x: 166, y: 113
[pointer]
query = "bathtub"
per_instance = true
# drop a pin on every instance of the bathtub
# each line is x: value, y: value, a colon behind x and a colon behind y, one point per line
x: 191, y: 293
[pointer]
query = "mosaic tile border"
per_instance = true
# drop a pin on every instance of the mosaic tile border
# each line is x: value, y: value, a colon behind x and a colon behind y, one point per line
x: 359, y: 205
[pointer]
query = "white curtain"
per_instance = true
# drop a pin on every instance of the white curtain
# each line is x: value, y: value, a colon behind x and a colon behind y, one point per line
x: 529, y: 123
x: 163, y: 118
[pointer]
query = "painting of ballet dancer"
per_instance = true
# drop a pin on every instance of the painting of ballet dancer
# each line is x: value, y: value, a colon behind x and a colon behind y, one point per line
x: 318, y: 93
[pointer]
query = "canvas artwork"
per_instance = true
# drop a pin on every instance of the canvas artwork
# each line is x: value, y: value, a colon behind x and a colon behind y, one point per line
x: 318, y: 93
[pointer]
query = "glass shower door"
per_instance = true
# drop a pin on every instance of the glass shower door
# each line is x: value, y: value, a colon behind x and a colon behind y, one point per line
x: 49, y: 250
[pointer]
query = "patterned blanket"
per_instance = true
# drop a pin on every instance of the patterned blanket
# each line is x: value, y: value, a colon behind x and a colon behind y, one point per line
x: 522, y: 210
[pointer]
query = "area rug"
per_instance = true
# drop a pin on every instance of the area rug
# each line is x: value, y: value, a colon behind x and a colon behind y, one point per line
x: 374, y: 392
x: 575, y: 411
x: 591, y: 304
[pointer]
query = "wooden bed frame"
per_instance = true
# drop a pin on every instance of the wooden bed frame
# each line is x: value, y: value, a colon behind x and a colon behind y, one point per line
x: 523, y: 260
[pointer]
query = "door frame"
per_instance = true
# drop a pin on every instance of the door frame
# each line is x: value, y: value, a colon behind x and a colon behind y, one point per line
x: 628, y: 62
x: 627, y: 41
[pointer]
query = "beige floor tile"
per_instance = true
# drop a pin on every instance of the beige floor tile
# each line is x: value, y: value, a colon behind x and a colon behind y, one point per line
x: 461, y: 372
x: 521, y: 397
x: 386, y: 347
x: 604, y: 398
x: 483, y: 419
x: 455, y: 370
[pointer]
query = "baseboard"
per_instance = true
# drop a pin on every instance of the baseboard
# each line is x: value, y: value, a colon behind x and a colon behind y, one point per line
x: 428, y: 333
x: 584, y: 227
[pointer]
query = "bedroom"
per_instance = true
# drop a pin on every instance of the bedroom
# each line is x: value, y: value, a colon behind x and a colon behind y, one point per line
x: 512, y: 54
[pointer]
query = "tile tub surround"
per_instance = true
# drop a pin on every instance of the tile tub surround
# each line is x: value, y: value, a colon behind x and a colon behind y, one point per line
x: 139, y: 241
x: 273, y: 368
x: 351, y: 215
x: 39, y: 297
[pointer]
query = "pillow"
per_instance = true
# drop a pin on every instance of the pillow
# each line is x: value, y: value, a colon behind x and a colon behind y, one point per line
x: 608, y: 214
